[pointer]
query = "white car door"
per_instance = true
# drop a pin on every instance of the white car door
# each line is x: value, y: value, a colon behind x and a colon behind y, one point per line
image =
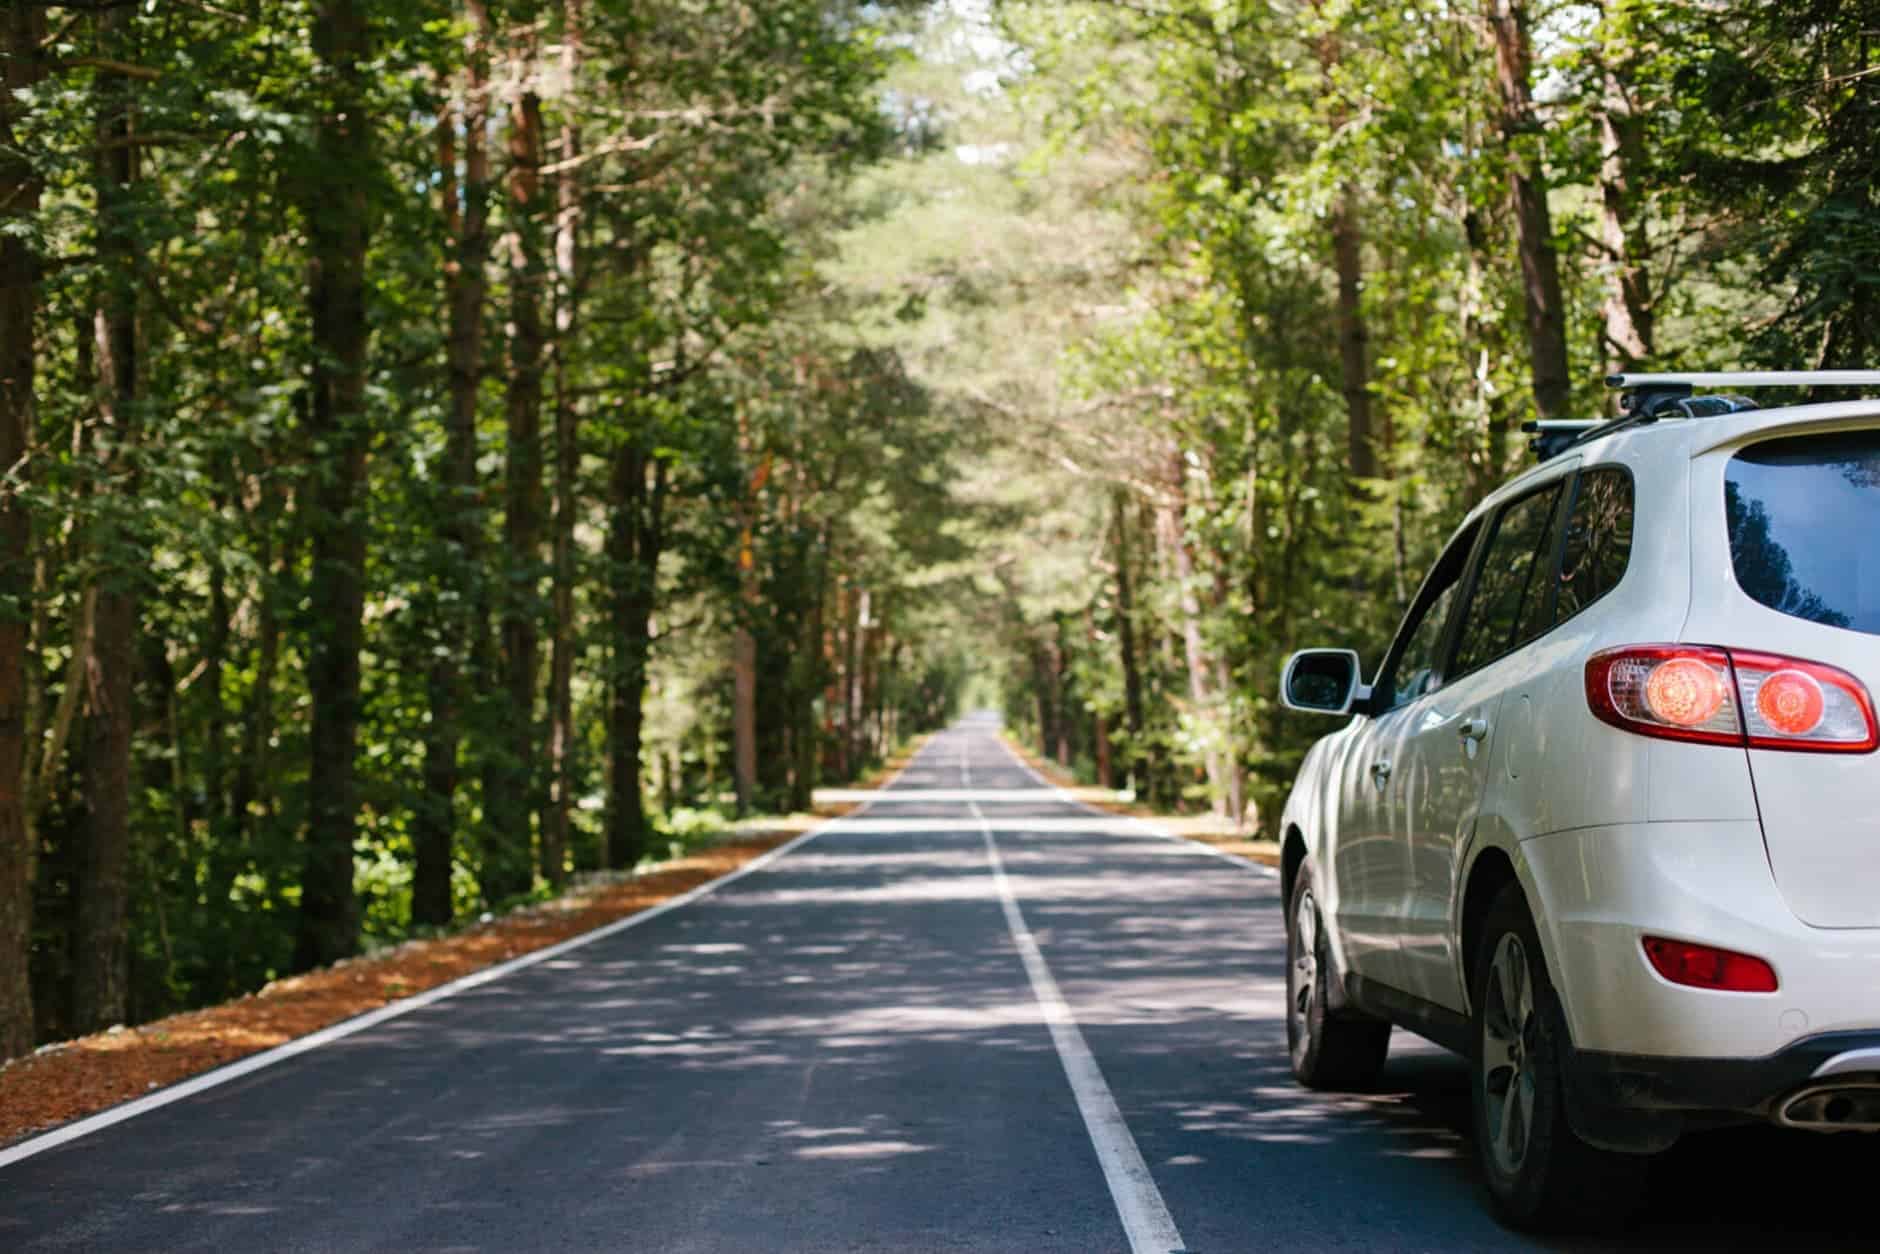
x: 1448, y: 740
x: 1371, y: 860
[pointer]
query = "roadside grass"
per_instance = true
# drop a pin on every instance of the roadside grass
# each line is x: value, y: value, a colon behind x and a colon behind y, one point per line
x: 72, y: 1079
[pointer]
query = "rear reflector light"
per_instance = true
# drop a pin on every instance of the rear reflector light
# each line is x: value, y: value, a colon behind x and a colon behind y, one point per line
x: 1731, y: 697
x: 1702, y: 966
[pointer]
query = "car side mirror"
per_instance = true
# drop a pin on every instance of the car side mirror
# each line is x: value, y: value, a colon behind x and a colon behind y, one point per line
x: 1322, y: 681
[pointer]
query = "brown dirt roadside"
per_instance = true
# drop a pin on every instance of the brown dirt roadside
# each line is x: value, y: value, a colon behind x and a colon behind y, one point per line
x: 1205, y: 828
x: 81, y: 1077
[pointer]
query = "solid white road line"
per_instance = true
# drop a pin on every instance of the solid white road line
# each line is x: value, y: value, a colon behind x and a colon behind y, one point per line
x: 339, y: 1031
x: 1146, y: 1219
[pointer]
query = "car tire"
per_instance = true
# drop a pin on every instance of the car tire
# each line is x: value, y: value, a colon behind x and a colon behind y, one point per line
x: 1331, y: 1049
x: 1540, y: 1175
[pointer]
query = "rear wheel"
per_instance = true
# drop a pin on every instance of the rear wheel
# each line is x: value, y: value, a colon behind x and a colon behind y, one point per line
x: 1330, y: 1050
x: 1540, y: 1174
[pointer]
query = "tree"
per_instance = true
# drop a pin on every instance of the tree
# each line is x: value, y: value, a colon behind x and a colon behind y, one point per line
x: 120, y: 560
x: 1506, y: 23
x: 336, y: 204
x: 21, y: 31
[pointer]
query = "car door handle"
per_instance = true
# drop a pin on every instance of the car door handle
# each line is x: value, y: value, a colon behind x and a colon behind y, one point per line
x: 1380, y: 772
x: 1473, y: 729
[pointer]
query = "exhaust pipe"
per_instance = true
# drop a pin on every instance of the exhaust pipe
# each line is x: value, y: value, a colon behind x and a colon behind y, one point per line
x: 1833, y: 1108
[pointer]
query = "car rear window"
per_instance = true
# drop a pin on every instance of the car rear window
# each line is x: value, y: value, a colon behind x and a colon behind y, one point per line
x: 1803, y: 513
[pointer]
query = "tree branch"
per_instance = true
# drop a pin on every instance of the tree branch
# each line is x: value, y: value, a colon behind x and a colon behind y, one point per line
x: 110, y: 65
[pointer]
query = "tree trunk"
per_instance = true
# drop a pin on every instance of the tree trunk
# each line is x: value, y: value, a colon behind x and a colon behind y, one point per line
x: 809, y: 672
x: 1060, y: 717
x: 1200, y: 666
x: 253, y: 770
x: 555, y: 821
x: 337, y: 211
x: 1348, y: 262
x: 466, y: 223
x: 744, y: 643
x: 22, y: 28
x: 100, y: 953
x: 1099, y: 721
x: 1126, y: 636
x: 1507, y: 25
x: 635, y: 542
x: 509, y: 867
x: 1353, y: 336
x: 1627, y: 309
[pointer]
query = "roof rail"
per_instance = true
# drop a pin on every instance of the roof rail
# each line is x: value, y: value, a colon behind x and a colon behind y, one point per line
x: 1649, y: 397
x: 1749, y: 379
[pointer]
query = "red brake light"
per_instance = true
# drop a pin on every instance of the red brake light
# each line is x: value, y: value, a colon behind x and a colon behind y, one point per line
x: 1791, y: 702
x: 1731, y: 697
x: 1704, y: 966
x: 1673, y: 691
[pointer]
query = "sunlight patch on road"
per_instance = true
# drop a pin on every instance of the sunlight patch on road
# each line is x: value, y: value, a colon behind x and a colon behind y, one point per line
x: 863, y: 1149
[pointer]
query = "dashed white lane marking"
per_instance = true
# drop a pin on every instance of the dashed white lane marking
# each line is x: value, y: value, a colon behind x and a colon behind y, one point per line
x: 339, y: 1031
x: 1146, y: 1219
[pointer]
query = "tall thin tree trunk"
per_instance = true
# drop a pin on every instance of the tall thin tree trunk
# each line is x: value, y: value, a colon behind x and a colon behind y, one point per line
x: 22, y: 29
x: 1627, y: 309
x: 509, y: 867
x: 1200, y: 666
x: 466, y: 218
x: 253, y: 767
x: 744, y: 642
x: 1353, y: 335
x: 555, y: 820
x: 100, y: 953
x: 636, y: 541
x: 809, y: 673
x: 1507, y: 25
x: 1126, y: 639
x: 337, y: 212
x: 1099, y: 721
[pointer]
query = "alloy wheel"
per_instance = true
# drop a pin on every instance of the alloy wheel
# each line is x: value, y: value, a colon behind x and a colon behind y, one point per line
x: 1302, y: 990
x: 1509, y: 1035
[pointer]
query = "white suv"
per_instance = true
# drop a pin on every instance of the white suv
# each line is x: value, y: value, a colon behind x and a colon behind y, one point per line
x: 1607, y: 820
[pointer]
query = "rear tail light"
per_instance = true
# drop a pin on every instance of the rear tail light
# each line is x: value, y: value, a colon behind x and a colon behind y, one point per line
x: 1704, y: 966
x: 1731, y: 697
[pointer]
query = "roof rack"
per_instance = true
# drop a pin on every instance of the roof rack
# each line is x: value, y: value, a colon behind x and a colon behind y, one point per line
x: 1750, y: 379
x: 1648, y: 397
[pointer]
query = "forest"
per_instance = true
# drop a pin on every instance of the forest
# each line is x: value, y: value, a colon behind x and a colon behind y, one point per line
x: 450, y: 445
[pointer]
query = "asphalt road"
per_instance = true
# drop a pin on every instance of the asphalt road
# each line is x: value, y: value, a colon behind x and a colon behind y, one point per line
x: 973, y: 1017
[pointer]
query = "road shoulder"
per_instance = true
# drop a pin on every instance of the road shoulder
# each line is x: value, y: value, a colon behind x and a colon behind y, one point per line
x: 74, y: 1079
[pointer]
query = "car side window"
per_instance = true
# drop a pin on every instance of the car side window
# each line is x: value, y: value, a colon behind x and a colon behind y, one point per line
x: 1415, y: 664
x: 1598, y: 546
x: 1510, y: 604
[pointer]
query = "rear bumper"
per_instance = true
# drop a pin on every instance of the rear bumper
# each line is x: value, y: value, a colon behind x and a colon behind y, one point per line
x: 1599, y: 891
x: 1640, y: 1102
x: 1752, y: 1087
